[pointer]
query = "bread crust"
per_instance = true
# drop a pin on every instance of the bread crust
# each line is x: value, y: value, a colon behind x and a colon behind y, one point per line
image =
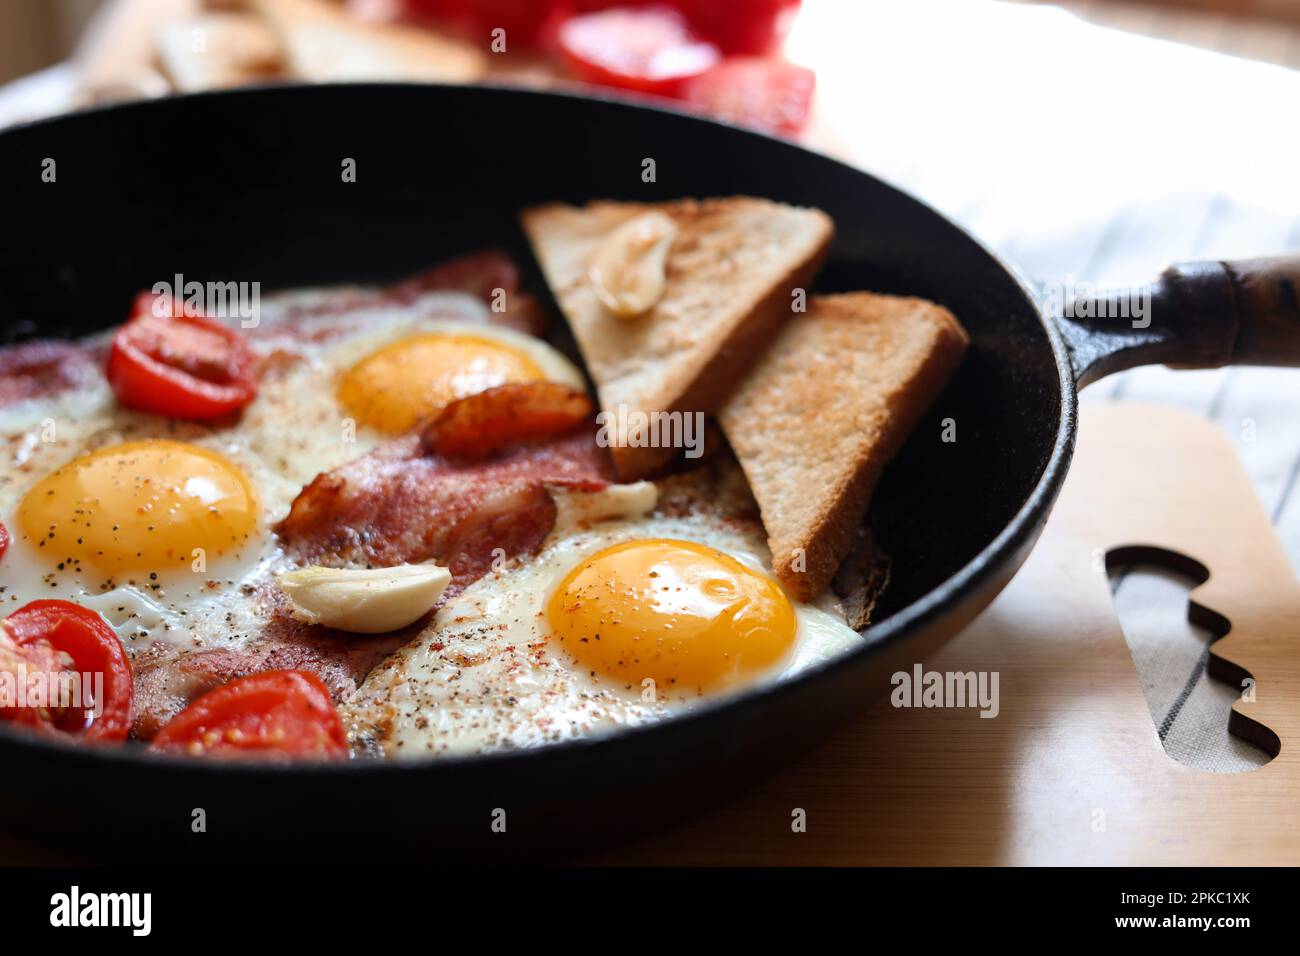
x: 324, y: 44
x: 870, y: 366
x: 239, y: 48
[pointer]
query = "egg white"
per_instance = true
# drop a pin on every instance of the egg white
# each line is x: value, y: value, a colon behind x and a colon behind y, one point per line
x: 483, y: 676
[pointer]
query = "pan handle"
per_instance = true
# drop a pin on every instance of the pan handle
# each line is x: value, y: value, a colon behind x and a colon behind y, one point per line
x: 1196, y: 315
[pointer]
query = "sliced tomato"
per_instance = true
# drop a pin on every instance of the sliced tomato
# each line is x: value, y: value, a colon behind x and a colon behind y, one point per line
x: 32, y: 662
x: 275, y: 713
x: 59, y: 635
x: 752, y: 27
x: 4, y: 539
x: 486, y: 422
x: 770, y: 95
x: 180, y: 366
x: 650, y: 50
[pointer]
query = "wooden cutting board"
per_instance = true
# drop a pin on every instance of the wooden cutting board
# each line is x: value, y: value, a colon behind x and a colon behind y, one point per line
x: 1071, y: 769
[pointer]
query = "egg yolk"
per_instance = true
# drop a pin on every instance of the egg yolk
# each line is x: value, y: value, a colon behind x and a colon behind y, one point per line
x: 410, y: 379
x: 139, y: 506
x: 682, y: 614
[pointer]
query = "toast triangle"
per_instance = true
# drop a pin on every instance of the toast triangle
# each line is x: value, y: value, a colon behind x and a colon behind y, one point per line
x: 822, y: 413
x: 731, y: 273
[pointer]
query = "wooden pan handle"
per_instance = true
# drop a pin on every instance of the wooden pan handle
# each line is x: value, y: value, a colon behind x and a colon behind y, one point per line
x: 1201, y: 315
x: 1245, y: 312
x: 1268, y: 295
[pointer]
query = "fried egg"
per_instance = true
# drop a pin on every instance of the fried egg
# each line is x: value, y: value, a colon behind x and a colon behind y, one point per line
x: 413, y: 377
x: 140, y: 506
x: 614, y: 623
x: 158, y: 535
x: 165, y: 526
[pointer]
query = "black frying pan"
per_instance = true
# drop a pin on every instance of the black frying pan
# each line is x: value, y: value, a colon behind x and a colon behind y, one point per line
x: 246, y: 185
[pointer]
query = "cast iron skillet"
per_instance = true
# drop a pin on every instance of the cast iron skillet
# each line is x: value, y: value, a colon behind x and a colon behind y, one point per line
x: 246, y: 186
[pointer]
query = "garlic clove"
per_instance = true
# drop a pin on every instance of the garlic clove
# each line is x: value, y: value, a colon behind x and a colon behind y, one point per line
x: 364, y: 600
x: 629, y: 270
x: 616, y: 502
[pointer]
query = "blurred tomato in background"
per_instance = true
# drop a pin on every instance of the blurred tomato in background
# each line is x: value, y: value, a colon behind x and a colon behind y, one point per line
x: 718, y: 56
x: 753, y: 27
x: 647, y: 49
x: 765, y: 93
x: 528, y: 23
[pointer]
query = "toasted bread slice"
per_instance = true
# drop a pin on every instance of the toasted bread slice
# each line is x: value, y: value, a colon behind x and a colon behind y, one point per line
x: 115, y: 58
x: 827, y: 406
x: 729, y: 277
x: 217, y: 50
x: 323, y: 43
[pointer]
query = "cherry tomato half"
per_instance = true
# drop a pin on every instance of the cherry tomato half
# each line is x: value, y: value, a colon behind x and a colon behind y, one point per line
x: 276, y: 713
x: 51, y: 636
x: 649, y: 50
x: 180, y: 366
x: 769, y: 95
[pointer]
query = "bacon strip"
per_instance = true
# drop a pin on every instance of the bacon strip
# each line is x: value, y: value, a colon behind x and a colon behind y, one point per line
x: 397, y: 505
x: 164, y: 688
x: 479, y: 274
x: 482, y: 424
x: 47, y: 367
